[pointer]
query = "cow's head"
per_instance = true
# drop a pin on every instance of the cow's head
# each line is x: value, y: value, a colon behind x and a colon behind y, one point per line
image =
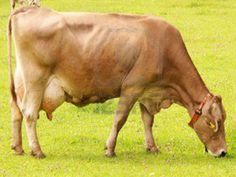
x: 210, y: 126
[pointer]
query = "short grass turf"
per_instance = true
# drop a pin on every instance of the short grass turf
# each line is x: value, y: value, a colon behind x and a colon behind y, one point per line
x: 74, y: 140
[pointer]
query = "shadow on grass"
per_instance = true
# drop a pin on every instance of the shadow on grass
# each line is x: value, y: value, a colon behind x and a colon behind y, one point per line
x: 138, y: 157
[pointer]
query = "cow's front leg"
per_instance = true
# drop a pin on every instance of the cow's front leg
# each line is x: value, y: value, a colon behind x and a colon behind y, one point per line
x: 16, y: 128
x: 125, y: 104
x: 148, y: 120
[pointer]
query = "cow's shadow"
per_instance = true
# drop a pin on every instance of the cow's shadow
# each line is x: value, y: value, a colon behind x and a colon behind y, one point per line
x: 135, y: 156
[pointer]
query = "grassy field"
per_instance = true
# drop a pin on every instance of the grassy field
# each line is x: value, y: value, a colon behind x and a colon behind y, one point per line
x: 74, y: 140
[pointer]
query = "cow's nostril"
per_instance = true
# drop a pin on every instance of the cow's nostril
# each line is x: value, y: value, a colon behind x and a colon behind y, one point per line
x: 223, y: 153
x: 206, y: 150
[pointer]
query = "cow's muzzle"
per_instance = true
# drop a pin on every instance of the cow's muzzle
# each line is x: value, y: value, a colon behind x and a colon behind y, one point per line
x: 221, y: 153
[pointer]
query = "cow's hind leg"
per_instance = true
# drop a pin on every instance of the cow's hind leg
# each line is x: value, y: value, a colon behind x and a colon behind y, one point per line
x: 126, y: 102
x: 16, y: 128
x: 148, y: 120
x: 31, y: 104
x: 32, y: 99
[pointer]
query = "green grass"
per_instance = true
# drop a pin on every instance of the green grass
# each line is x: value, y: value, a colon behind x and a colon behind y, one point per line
x: 74, y: 140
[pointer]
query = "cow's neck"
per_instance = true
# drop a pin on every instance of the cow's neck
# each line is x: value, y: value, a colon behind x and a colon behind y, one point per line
x: 191, y: 89
x: 192, y: 95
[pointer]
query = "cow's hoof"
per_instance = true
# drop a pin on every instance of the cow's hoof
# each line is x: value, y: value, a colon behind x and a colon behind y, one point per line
x: 38, y: 155
x: 153, y: 149
x: 18, y: 150
x: 110, y: 153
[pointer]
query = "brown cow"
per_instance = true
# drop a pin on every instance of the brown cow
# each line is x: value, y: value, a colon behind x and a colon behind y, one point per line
x: 85, y: 58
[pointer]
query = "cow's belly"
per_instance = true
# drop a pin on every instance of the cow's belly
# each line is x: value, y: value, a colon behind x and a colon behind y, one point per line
x: 91, y: 82
x: 85, y: 91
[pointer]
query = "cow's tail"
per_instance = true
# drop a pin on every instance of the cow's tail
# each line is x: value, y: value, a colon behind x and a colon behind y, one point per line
x: 9, y: 39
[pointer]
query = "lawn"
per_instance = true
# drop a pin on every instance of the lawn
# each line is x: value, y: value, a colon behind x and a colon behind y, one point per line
x: 73, y: 142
